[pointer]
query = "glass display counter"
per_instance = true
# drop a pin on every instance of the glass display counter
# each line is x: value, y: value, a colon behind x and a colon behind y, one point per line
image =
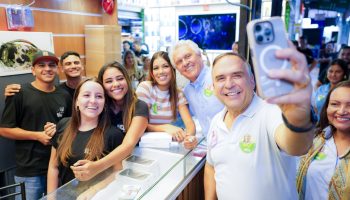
x: 148, y: 173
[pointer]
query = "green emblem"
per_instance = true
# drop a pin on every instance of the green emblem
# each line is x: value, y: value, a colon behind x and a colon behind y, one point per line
x: 247, y: 145
x: 320, y: 97
x: 320, y: 156
x: 155, y: 108
x: 208, y: 92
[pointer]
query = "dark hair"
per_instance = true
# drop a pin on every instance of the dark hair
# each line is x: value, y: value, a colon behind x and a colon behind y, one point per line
x: 302, y: 38
x: 128, y: 42
x: 68, y: 53
x: 345, y: 47
x: 96, y: 141
x: 323, y: 122
x: 173, y: 90
x: 296, y: 43
x: 342, y: 64
x: 130, y: 97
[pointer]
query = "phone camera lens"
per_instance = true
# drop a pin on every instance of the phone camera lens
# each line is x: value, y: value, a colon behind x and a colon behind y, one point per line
x: 267, y: 32
x: 260, y: 38
x: 258, y: 28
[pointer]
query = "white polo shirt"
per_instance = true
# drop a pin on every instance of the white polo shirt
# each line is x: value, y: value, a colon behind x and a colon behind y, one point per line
x: 247, y: 161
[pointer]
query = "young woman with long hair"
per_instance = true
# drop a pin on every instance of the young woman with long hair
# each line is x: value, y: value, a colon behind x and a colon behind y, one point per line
x: 126, y: 112
x: 165, y: 100
x: 88, y: 134
x: 130, y: 63
x: 324, y: 172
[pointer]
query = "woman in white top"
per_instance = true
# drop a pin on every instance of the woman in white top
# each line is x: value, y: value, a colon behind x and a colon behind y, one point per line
x: 165, y: 101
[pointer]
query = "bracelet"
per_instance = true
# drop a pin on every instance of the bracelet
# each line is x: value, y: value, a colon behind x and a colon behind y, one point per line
x: 299, y: 129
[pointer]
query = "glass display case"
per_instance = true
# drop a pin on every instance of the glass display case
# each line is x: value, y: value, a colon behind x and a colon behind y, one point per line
x: 148, y: 173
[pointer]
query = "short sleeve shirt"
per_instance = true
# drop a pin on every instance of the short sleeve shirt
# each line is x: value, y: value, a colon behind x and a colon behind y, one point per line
x: 30, y: 109
x: 202, y: 102
x: 248, y: 163
x: 141, y: 109
x: 113, y: 137
x: 158, y: 102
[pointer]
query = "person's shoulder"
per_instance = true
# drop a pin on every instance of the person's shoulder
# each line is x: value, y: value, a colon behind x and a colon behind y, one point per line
x: 140, y: 103
x: 61, y: 90
x: 323, y: 87
x: 144, y: 87
x: 27, y: 87
x: 26, y: 90
x: 63, y: 122
x: 146, y: 84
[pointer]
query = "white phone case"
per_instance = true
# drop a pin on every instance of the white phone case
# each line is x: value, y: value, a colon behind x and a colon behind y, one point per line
x: 263, y: 42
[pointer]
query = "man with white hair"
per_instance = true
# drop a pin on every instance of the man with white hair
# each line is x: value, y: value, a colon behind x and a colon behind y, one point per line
x: 186, y: 57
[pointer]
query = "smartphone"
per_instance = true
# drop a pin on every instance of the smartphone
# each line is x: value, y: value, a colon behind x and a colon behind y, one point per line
x: 265, y: 36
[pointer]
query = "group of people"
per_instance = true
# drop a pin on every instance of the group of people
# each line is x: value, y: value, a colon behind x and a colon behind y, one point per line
x: 252, y: 143
x: 136, y: 61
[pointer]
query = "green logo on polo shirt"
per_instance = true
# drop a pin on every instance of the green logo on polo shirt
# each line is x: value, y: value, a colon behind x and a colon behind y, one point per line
x: 155, y: 108
x: 320, y: 156
x: 247, y: 145
x: 208, y: 92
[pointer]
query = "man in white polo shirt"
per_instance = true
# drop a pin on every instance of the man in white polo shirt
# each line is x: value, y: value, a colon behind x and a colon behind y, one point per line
x: 251, y: 148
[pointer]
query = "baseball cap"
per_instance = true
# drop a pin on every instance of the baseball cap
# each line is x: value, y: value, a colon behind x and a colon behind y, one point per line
x: 41, y: 55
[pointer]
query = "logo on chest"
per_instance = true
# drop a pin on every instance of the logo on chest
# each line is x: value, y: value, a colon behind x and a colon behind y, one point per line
x: 247, y: 144
x: 60, y: 112
x: 208, y: 91
x: 321, y: 155
x: 155, y: 108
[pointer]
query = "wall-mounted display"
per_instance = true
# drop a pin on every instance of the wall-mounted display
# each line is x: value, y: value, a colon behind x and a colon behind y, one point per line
x: 19, y: 17
x: 17, y: 49
x: 209, y: 31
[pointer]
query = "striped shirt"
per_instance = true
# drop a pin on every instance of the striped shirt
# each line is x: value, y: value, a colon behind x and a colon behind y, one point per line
x: 158, y: 102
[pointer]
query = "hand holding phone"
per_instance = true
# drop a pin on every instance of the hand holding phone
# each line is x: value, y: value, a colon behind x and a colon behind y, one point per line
x: 265, y: 37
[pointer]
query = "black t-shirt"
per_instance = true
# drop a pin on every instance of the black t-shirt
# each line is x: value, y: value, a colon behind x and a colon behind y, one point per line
x: 30, y: 109
x: 112, y: 137
x: 65, y: 87
x: 141, y: 109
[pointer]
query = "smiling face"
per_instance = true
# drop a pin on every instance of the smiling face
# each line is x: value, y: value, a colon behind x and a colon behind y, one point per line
x: 335, y: 74
x: 188, y: 62
x: 162, y: 73
x: 45, y: 71
x: 72, y: 66
x: 233, y: 85
x: 115, y: 84
x: 90, y: 100
x: 345, y: 54
x: 338, y: 110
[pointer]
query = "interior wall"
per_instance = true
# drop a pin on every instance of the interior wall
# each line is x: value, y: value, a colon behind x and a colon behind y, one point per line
x: 65, y: 19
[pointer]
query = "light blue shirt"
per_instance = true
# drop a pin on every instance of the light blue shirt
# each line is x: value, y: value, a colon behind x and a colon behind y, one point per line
x: 201, y: 99
x: 320, y: 97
